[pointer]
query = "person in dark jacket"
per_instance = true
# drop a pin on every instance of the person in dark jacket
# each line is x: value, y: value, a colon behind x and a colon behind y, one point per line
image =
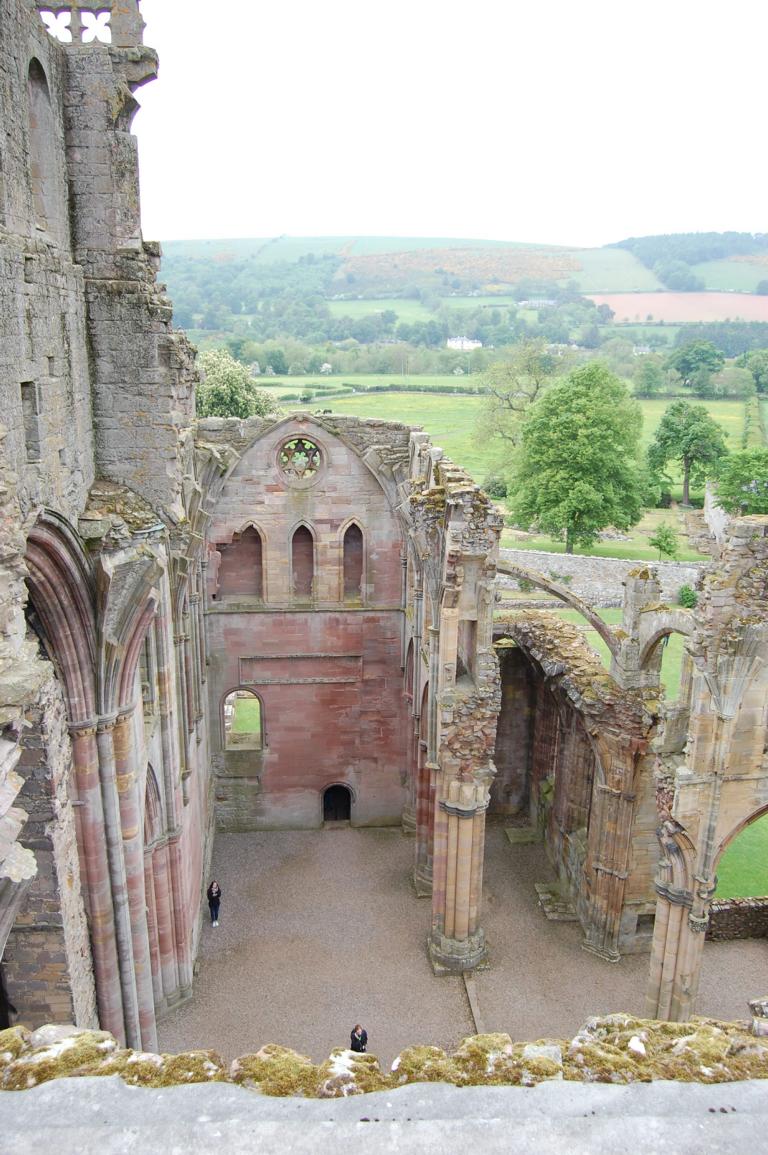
x: 358, y: 1040
x: 214, y: 898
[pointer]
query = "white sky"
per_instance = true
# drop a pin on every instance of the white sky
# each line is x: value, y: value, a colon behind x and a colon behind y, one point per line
x: 549, y: 120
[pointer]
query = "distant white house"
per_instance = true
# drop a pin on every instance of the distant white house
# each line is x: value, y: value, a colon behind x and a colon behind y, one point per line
x: 326, y: 367
x: 641, y: 350
x: 463, y: 344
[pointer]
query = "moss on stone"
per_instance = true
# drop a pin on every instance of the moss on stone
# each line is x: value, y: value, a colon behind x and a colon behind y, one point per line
x: 424, y: 1065
x: 142, y: 1069
x: 349, y: 1073
x: 14, y: 1041
x: 489, y: 1059
x: 276, y: 1070
x: 56, y: 1060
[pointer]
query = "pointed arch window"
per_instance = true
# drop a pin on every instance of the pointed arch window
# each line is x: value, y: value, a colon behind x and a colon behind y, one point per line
x: 241, y: 571
x: 353, y: 564
x: 303, y: 563
x: 48, y: 190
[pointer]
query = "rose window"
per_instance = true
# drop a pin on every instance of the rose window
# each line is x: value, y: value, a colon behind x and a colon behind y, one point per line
x: 299, y: 459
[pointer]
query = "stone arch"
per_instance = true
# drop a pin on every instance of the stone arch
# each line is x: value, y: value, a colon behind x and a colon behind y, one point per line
x: 47, y: 180
x: 62, y: 593
x: 661, y: 626
x: 736, y: 830
x: 303, y: 562
x: 334, y: 787
x: 564, y: 595
x: 228, y: 739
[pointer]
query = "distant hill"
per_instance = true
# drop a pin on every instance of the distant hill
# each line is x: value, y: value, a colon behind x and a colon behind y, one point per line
x: 445, y: 267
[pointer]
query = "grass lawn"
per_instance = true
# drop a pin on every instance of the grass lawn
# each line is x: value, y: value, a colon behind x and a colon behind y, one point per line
x: 636, y: 547
x: 743, y: 869
x: 247, y: 718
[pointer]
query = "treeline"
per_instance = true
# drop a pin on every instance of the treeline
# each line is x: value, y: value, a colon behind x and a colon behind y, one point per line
x: 731, y: 337
x: 670, y: 256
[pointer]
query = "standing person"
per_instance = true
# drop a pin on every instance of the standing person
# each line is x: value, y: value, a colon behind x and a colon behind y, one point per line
x: 358, y: 1039
x: 214, y: 898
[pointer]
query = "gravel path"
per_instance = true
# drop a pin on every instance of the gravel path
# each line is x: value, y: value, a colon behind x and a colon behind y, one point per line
x: 322, y: 929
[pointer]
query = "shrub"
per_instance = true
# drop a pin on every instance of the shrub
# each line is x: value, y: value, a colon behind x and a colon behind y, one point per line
x: 495, y: 486
x: 687, y: 597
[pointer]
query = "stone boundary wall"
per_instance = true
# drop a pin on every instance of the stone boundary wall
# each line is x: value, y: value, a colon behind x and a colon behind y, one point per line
x: 738, y: 918
x: 599, y: 580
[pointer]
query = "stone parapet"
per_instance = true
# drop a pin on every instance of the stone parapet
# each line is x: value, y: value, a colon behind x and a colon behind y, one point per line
x: 599, y: 580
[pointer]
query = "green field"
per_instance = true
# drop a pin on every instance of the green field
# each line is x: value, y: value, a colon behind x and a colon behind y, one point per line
x: 247, y: 719
x: 612, y: 271
x: 406, y: 309
x: 642, y: 333
x: 743, y: 869
x: 450, y: 420
x: 636, y: 547
x: 741, y: 276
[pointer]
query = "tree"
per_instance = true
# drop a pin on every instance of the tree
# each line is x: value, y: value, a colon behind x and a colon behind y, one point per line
x: 227, y: 390
x: 757, y: 363
x: 742, y: 482
x: 687, y: 434
x: 696, y: 355
x: 577, y: 470
x: 511, y: 386
x: 664, y: 540
x: 649, y: 378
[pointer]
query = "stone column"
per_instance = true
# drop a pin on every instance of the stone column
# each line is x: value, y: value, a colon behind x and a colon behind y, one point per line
x: 166, y: 926
x: 114, y: 840
x: 457, y: 942
x: 609, y: 864
x: 101, y: 917
x: 152, y: 930
x: 409, y: 812
x: 133, y: 855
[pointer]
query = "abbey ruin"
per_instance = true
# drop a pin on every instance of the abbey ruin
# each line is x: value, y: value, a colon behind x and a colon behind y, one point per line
x: 340, y: 575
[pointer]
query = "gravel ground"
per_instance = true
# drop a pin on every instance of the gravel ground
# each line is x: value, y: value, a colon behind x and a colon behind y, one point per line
x: 321, y: 929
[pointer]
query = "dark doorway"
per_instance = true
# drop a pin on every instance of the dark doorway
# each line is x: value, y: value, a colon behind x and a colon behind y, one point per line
x: 337, y: 804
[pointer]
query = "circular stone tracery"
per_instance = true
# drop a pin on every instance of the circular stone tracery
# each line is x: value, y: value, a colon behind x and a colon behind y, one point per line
x: 299, y: 459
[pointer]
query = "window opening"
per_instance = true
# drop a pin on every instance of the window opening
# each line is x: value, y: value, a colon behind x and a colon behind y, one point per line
x: 241, y: 570
x: 31, y: 411
x: 353, y: 564
x: 303, y: 563
x: 299, y: 459
x: 243, y: 723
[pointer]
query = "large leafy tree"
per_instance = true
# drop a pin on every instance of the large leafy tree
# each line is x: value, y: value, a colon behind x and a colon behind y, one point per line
x: 577, y: 470
x: 227, y: 390
x: 742, y: 482
x: 511, y: 386
x: 688, y: 435
x: 695, y: 359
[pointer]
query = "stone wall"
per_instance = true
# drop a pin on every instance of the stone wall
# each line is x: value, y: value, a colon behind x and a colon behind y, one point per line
x: 598, y: 580
x: 327, y: 668
x: 738, y: 918
x: 48, y: 956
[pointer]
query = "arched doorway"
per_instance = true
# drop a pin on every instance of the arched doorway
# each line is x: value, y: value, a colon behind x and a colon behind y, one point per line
x: 337, y: 804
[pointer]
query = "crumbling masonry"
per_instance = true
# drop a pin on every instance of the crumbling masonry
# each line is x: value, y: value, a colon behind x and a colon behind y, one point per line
x: 329, y: 580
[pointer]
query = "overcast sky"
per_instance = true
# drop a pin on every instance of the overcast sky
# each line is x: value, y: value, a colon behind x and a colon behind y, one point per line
x: 549, y: 120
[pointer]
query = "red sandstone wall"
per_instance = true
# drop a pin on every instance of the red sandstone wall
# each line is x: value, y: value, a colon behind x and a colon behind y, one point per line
x: 329, y: 677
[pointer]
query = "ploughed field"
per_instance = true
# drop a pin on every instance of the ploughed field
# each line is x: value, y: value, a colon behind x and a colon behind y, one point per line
x: 682, y: 307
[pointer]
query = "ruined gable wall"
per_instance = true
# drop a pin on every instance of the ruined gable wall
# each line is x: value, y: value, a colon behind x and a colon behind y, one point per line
x: 329, y: 673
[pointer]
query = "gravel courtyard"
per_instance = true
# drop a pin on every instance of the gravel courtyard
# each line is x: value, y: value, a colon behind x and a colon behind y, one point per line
x: 322, y: 929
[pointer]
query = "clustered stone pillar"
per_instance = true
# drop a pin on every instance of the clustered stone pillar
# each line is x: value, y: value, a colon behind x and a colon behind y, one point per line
x: 610, y: 870
x: 457, y: 942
